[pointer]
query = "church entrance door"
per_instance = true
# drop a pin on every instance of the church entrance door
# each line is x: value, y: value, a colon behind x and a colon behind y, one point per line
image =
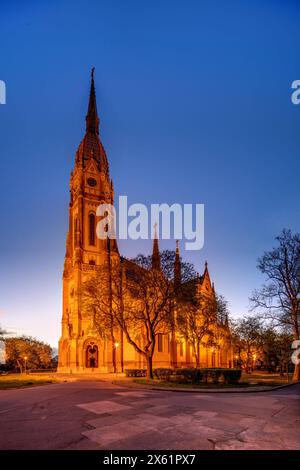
x: 91, y: 356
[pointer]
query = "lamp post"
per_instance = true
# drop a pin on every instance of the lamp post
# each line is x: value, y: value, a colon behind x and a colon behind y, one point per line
x: 213, y: 357
x: 25, y: 359
x: 116, y: 349
x: 254, y: 361
x: 236, y: 360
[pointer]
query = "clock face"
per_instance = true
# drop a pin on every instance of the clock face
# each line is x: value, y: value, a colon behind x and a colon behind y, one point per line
x: 91, y: 182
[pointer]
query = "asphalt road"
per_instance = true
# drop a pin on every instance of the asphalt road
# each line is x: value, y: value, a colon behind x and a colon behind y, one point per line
x: 100, y: 415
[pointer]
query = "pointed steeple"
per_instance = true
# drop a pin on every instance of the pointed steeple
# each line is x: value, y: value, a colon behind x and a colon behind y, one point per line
x: 206, y: 277
x: 92, y: 119
x: 206, y: 273
x: 91, y: 148
x: 177, y: 267
x: 155, y: 252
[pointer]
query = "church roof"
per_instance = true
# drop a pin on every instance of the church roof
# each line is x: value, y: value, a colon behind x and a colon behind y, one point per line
x: 91, y: 147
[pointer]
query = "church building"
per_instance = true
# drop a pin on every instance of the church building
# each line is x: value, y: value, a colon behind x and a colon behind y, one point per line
x: 81, y: 348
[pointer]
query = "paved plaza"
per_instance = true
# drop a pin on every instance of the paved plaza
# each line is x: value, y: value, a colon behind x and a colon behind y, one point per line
x: 101, y: 415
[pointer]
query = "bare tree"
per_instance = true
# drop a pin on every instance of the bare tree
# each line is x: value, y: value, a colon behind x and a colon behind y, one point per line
x: 222, y: 330
x: 136, y: 298
x: 196, y: 319
x: 276, y: 349
x: 247, y: 335
x: 279, y: 297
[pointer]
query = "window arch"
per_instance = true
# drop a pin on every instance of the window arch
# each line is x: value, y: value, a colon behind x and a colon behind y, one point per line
x: 92, y: 227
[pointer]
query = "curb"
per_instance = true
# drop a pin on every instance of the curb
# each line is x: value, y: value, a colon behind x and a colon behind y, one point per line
x: 209, y: 390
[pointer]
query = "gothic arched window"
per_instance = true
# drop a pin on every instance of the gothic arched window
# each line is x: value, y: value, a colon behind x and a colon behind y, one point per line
x: 92, y: 227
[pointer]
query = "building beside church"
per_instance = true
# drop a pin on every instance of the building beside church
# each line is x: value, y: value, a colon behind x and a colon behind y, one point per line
x: 81, y: 348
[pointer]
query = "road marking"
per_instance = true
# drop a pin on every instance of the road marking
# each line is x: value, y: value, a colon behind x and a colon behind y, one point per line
x: 100, y: 407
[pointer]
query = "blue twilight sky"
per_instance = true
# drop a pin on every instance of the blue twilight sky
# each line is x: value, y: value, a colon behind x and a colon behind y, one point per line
x: 194, y: 102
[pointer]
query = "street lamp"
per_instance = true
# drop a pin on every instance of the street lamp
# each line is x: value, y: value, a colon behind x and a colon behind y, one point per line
x: 213, y: 357
x: 116, y: 348
x: 236, y: 360
x: 254, y: 361
x: 25, y: 359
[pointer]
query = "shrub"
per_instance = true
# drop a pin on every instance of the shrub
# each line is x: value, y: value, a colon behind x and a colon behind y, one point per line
x: 163, y: 374
x: 188, y: 375
x: 231, y: 376
x: 136, y: 372
x: 211, y: 375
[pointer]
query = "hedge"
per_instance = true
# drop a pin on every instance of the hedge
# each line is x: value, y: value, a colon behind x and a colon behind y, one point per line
x: 135, y: 372
x: 232, y: 376
x: 188, y: 375
x: 191, y: 375
x: 229, y: 376
x: 163, y: 373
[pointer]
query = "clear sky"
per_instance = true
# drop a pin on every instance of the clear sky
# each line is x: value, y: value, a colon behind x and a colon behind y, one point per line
x: 194, y: 103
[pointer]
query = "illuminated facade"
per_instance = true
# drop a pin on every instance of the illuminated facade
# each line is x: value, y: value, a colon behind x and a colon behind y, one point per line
x: 81, y: 349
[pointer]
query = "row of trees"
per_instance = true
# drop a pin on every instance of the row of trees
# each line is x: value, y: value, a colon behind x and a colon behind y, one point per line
x: 257, y: 344
x: 26, y: 352
x: 143, y: 300
x: 278, y: 300
x: 274, y: 329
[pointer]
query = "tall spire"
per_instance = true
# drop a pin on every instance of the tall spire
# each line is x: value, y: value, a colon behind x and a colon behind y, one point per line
x: 177, y: 267
x: 206, y: 276
x: 155, y: 253
x: 92, y: 119
x: 91, y: 148
x: 206, y: 273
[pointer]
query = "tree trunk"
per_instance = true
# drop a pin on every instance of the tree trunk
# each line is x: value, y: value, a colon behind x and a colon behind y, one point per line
x: 149, y: 368
x: 197, y: 355
x: 296, y: 374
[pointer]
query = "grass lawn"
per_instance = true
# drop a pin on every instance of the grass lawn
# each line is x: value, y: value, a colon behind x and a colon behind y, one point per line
x: 264, y: 378
x: 247, y: 380
x: 24, y: 380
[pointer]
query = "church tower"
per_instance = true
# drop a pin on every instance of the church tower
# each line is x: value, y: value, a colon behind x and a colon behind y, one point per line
x: 90, y: 185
